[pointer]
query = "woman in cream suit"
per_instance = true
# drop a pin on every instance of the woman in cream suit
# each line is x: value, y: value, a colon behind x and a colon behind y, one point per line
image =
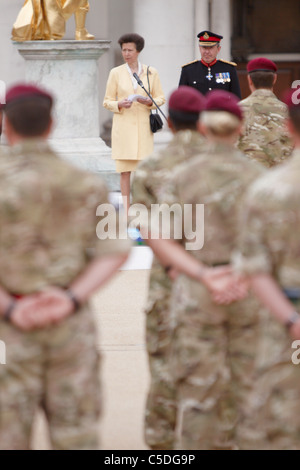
x: 132, y: 139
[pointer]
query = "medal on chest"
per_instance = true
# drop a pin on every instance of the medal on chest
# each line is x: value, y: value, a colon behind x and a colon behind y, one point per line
x: 223, y: 77
x: 209, y: 76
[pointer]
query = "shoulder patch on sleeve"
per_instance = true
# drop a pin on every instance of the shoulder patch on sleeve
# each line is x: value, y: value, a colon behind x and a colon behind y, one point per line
x: 228, y: 62
x: 193, y: 61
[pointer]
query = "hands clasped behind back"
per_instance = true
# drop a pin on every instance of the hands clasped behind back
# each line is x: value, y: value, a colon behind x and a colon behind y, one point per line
x: 41, y: 310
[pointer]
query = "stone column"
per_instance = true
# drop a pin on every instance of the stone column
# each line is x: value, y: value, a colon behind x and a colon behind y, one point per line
x: 167, y: 27
x: 201, y: 21
x: 69, y: 69
x: 221, y: 24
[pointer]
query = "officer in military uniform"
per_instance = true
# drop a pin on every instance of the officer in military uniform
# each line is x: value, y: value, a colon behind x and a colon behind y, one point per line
x: 210, y: 73
x: 150, y: 180
x: 269, y: 254
x: 51, y: 261
x: 265, y: 137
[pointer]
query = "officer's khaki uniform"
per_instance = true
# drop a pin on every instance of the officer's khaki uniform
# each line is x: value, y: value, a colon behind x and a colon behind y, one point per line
x: 148, y: 186
x: 48, y: 237
x: 270, y: 244
x: 214, y: 347
x: 265, y: 137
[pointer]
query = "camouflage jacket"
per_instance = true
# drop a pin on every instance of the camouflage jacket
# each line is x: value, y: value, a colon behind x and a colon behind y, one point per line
x: 217, y: 180
x: 265, y: 137
x: 270, y: 225
x: 48, y: 219
x: 153, y: 174
x: 149, y: 187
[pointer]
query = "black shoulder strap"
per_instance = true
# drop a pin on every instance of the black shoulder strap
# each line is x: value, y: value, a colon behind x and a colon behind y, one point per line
x: 148, y: 79
x: 149, y: 86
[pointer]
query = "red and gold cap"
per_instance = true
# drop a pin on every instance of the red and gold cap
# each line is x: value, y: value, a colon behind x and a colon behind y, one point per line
x: 207, y: 38
x: 261, y: 64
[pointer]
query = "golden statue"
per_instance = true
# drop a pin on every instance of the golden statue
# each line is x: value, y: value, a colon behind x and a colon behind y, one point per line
x: 46, y: 19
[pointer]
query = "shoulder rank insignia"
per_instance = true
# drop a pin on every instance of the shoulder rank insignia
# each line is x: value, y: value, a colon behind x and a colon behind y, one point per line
x: 228, y: 62
x: 193, y: 61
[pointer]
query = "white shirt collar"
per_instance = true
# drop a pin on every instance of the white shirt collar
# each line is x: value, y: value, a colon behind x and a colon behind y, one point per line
x: 140, y: 69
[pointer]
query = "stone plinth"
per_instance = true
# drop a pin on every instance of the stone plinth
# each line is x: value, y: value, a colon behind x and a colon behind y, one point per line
x: 70, y: 70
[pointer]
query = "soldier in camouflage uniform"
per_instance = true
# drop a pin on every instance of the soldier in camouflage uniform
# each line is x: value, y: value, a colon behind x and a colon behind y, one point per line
x: 51, y: 261
x: 214, y: 346
x: 269, y: 254
x: 265, y: 137
x: 151, y: 176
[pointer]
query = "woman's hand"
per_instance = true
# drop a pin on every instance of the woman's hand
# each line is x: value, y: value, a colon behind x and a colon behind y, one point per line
x: 125, y: 104
x: 145, y: 101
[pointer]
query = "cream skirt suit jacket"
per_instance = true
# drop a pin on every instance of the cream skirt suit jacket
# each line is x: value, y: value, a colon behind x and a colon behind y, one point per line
x: 131, y: 138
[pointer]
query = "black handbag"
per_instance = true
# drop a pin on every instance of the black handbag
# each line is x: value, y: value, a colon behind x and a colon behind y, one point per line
x: 156, y: 122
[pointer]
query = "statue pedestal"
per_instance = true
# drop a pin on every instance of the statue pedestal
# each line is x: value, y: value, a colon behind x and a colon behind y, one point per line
x: 69, y: 69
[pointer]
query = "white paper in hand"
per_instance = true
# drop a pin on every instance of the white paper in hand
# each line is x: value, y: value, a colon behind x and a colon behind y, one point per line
x: 135, y: 97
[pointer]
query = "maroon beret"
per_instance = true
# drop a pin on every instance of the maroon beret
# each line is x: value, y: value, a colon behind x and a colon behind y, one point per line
x: 187, y: 99
x: 261, y: 64
x: 23, y: 90
x: 221, y: 100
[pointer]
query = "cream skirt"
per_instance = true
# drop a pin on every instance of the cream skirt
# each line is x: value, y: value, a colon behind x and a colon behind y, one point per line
x: 126, y: 165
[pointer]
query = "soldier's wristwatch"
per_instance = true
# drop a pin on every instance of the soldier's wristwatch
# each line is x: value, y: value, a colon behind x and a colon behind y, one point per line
x: 8, y: 312
x: 294, y: 317
x: 74, y: 300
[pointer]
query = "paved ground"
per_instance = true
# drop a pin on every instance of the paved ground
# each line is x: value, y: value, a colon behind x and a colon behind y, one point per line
x: 120, y: 320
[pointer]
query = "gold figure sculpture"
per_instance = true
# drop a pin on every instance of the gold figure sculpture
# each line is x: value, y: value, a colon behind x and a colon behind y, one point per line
x: 46, y: 20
